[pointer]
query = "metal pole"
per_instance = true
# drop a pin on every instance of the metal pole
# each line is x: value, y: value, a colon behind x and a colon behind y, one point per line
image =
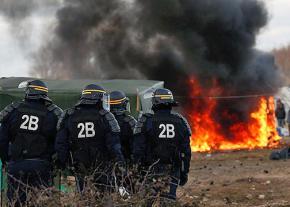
x: 59, y: 181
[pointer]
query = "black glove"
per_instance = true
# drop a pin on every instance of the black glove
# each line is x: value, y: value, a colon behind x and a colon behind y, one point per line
x: 183, y: 179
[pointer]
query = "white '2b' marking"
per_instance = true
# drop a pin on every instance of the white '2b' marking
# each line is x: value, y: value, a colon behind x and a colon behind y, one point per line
x: 30, y: 123
x: 87, y: 130
x: 167, y: 131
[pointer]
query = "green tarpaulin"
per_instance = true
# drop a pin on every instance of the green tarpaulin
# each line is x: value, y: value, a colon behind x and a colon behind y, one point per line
x: 65, y: 93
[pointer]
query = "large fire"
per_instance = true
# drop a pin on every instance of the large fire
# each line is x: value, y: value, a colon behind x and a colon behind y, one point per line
x: 258, y: 131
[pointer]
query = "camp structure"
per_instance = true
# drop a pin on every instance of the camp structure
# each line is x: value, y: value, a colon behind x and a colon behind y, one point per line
x: 65, y: 93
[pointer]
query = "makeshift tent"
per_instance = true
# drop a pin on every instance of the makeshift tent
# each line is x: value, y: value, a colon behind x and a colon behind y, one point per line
x: 65, y: 93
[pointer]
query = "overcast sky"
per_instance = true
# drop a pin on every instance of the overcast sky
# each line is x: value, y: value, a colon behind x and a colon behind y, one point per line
x: 15, y: 54
x: 277, y: 33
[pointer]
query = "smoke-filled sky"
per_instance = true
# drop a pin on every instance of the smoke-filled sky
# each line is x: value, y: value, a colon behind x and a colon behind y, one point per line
x: 23, y: 29
x: 17, y: 45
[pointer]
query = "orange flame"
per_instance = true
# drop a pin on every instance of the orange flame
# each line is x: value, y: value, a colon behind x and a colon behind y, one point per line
x: 258, y: 132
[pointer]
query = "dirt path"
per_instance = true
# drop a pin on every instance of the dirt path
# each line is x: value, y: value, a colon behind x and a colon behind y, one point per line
x: 237, y: 179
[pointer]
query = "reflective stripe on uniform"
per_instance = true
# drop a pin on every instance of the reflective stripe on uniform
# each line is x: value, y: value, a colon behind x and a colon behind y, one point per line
x: 115, y: 102
x: 38, y: 88
x: 93, y: 90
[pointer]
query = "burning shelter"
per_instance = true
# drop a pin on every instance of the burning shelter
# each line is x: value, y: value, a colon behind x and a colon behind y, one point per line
x: 203, y: 50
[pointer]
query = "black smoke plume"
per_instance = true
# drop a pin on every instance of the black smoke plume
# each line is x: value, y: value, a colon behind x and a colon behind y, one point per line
x: 164, y: 39
x: 16, y: 13
x: 20, y: 16
x: 15, y: 10
x: 168, y: 40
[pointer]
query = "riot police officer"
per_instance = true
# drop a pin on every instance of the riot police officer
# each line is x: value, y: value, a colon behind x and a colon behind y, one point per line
x: 27, y: 135
x: 163, y: 142
x: 88, y: 138
x: 120, y: 107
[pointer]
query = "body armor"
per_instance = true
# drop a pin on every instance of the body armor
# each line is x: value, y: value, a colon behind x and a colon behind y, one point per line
x: 127, y: 124
x: 165, y: 141
x: 28, y: 139
x: 86, y: 137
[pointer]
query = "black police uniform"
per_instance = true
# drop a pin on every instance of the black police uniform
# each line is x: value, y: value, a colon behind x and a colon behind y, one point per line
x: 127, y: 124
x: 163, y: 142
x: 118, y: 107
x: 88, y: 138
x: 27, y: 135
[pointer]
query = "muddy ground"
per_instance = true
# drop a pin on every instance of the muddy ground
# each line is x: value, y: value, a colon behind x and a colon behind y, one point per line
x: 243, y: 178
x: 238, y: 179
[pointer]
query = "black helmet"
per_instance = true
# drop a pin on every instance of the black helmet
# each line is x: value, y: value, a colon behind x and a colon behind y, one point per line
x: 163, y: 96
x: 35, y: 89
x: 92, y: 94
x: 119, y: 101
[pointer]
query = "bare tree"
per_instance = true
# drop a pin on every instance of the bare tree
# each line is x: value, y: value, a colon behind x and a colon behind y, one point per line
x: 282, y: 57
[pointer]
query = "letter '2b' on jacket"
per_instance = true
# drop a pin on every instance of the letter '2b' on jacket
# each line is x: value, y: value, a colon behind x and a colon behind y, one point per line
x: 30, y: 129
x: 163, y: 136
x: 88, y: 136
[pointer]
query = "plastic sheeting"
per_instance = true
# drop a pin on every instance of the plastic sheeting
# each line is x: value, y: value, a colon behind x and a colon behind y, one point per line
x: 65, y: 93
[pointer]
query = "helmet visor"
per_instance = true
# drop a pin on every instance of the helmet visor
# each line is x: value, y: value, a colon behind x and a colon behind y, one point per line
x: 128, y: 107
x: 106, y: 101
x: 23, y: 84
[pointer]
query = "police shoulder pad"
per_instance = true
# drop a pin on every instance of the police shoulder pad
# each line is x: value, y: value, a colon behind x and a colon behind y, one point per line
x: 184, y: 121
x: 70, y: 111
x: 55, y: 109
x: 111, y: 120
x: 63, y: 117
x: 7, y: 110
x: 140, y: 123
x: 131, y: 120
